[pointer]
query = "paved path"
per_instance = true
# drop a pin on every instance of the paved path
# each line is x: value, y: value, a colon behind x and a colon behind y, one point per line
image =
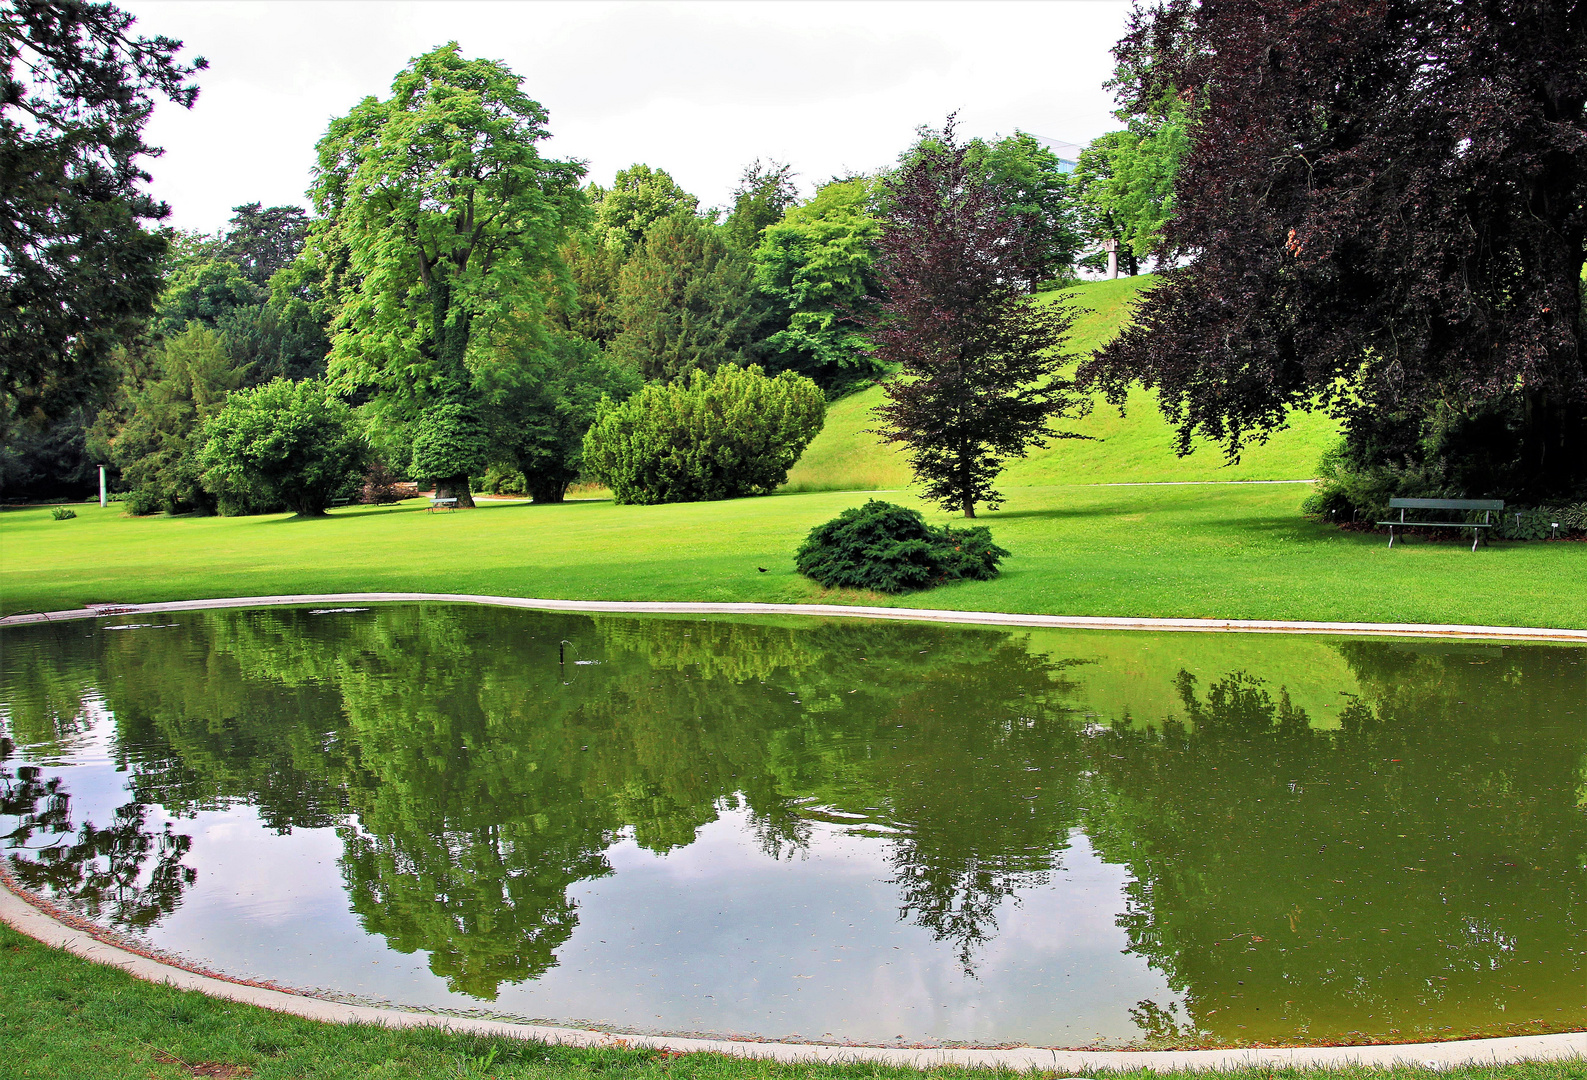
x: 981, y: 618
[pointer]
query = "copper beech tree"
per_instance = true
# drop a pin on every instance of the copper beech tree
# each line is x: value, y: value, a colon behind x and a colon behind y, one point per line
x: 1383, y: 213
x: 978, y: 360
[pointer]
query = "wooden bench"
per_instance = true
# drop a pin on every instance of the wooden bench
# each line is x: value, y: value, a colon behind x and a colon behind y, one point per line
x: 341, y: 500
x: 441, y: 504
x: 1488, y: 507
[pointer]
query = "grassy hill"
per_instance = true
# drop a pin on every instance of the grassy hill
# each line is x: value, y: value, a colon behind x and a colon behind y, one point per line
x: 1135, y: 448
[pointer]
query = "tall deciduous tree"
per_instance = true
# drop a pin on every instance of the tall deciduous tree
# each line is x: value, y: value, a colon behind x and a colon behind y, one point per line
x: 819, y: 264
x: 979, y: 359
x: 448, y: 220
x: 79, y: 272
x: 1384, y: 213
x: 638, y: 198
x: 764, y: 193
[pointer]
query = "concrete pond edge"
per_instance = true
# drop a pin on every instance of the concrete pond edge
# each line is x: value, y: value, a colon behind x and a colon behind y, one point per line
x: 22, y: 915
x: 978, y: 618
x: 34, y: 922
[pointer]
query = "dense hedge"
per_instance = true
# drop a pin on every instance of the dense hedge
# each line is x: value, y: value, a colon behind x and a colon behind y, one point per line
x: 891, y: 549
x: 734, y: 432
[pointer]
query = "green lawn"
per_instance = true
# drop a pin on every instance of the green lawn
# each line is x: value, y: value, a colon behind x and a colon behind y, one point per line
x: 1221, y: 551
x: 1137, y: 447
x: 64, y: 1018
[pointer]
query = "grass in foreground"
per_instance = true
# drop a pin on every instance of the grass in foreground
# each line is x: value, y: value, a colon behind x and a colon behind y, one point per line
x: 1225, y: 551
x: 65, y: 1018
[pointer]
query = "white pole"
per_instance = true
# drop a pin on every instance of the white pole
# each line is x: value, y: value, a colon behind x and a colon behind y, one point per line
x: 103, y: 501
x: 1112, y: 248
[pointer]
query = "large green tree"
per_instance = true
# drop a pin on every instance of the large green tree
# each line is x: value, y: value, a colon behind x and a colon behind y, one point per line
x: 79, y: 269
x: 1124, y: 183
x: 819, y: 264
x: 638, y: 198
x: 440, y: 220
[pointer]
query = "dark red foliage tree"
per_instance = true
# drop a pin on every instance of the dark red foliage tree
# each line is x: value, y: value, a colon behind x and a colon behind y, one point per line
x: 79, y: 271
x: 1383, y: 214
x: 978, y: 359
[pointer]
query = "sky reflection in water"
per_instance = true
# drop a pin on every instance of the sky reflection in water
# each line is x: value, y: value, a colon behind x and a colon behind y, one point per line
x: 822, y: 829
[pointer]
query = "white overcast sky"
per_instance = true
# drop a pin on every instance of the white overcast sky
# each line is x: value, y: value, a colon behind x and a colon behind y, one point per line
x: 698, y: 89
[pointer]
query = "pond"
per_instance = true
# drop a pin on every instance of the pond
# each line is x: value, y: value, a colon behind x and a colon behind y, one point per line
x: 828, y: 830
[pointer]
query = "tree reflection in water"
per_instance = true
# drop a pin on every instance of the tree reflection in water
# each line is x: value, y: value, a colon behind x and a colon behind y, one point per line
x: 1387, y: 871
x: 104, y: 873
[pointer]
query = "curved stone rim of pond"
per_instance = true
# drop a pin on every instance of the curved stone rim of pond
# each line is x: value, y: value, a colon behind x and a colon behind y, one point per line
x: 19, y: 911
x: 980, y: 618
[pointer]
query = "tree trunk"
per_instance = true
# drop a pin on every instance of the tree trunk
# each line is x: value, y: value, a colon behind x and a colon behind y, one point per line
x: 969, y: 507
x: 454, y: 487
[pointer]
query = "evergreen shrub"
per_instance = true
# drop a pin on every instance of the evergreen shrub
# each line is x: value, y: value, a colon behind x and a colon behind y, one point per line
x: 891, y: 549
x: 733, y: 432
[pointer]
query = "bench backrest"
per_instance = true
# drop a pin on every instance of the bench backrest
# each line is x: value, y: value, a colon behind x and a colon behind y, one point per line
x: 1446, y: 504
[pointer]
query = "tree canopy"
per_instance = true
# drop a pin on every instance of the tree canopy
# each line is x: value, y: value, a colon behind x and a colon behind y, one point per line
x: 638, y: 198
x: 819, y: 263
x: 1383, y: 214
x: 448, y: 221
x: 79, y: 269
x: 686, y: 301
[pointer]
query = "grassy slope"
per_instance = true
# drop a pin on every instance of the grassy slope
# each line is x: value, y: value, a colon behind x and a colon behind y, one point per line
x: 1138, y: 447
x: 65, y: 1018
x: 1225, y: 552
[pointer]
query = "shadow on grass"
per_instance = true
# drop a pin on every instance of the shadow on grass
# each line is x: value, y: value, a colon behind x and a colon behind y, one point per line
x: 1055, y: 514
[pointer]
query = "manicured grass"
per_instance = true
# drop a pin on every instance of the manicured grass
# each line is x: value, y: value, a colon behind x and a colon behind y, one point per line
x: 64, y: 1018
x: 1135, y: 448
x: 1218, y: 551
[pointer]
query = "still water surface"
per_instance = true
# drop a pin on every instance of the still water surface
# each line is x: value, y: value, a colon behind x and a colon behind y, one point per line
x: 828, y: 830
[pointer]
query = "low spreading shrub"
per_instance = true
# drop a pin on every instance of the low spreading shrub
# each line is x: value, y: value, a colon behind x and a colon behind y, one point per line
x: 62, y: 513
x: 891, y: 549
x: 733, y: 432
x: 1574, y: 518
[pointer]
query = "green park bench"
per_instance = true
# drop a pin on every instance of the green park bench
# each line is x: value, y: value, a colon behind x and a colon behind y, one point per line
x: 1463, y: 506
x: 441, y: 504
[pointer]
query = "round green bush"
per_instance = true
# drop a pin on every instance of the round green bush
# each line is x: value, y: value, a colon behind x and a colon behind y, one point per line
x: 891, y: 549
x: 733, y: 432
x: 286, y: 443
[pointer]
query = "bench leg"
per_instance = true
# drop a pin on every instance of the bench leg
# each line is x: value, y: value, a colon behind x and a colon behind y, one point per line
x: 1391, y: 536
x: 1476, y: 538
